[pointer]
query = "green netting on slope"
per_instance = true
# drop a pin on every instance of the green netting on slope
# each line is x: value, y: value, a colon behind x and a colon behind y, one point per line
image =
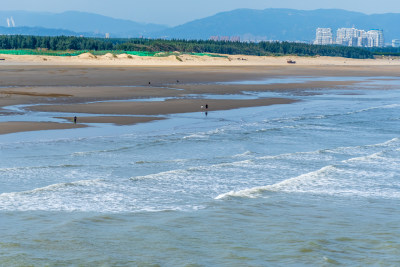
x: 39, y: 52
x: 73, y: 53
x: 140, y: 53
x: 97, y: 53
x: 206, y: 54
x: 119, y: 52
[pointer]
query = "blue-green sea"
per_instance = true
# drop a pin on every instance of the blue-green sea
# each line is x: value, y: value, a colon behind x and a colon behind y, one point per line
x: 313, y: 183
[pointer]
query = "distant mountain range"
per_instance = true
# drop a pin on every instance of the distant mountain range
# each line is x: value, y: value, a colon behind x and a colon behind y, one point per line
x: 78, y: 23
x: 282, y: 24
x: 248, y: 24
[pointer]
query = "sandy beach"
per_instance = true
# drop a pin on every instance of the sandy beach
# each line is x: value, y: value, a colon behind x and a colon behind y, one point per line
x: 192, y: 60
x: 87, y: 84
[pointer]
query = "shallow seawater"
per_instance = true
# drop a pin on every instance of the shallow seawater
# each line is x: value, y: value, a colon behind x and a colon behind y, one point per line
x: 311, y: 183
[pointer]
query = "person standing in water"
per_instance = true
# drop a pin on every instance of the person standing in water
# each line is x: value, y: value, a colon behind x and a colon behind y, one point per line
x: 75, y: 118
x: 206, y: 108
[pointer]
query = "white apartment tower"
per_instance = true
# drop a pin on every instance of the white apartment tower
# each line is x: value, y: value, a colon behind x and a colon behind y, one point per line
x: 351, y: 37
x: 323, y: 36
x: 375, y: 38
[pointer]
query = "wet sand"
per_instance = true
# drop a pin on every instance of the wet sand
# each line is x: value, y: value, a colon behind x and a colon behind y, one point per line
x: 26, y: 126
x: 117, y: 120
x: 161, y: 108
x: 77, y: 89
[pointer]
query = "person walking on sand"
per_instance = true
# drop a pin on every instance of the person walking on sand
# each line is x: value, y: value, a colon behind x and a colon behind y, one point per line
x: 75, y: 120
x: 206, y: 106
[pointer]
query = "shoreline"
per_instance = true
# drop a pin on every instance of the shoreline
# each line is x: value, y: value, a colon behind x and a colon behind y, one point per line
x: 162, y: 90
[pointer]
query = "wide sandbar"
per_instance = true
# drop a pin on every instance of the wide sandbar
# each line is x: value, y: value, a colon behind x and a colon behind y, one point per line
x: 26, y: 126
x: 117, y: 120
x: 171, y: 106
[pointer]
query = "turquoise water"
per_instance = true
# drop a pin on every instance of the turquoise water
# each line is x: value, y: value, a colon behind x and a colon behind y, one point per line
x: 311, y: 183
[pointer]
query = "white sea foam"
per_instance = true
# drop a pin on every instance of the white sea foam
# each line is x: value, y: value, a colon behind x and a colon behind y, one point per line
x: 244, y: 154
x: 62, y: 196
x: 320, y: 181
x: 302, y: 156
x: 206, y: 134
x: 24, y: 168
x: 169, y: 175
x: 300, y: 184
x: 357, y: 150
x: 286, y: 120
x: 92, y: 196
x: 293, y: 184
x: 364, y: 176
x: 391, y: 106
x: 164, y: 161
x: 196, y: 136
x: 200, y: 170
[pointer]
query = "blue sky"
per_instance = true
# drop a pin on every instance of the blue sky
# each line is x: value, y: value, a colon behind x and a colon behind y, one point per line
x: 174, y: 12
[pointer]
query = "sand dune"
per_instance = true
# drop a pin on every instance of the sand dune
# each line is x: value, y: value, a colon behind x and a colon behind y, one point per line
x: 227, y: 60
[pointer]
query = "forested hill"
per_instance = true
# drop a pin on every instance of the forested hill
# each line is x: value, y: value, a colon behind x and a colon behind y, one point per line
x: 63, y: 43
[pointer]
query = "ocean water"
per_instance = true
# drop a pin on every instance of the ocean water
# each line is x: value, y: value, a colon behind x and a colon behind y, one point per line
x: 314, y: 183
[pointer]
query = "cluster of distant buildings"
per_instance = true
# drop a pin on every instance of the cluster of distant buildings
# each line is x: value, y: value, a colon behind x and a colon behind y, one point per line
x: 350, y: 37
x: 225, y: 38
x: 324, y: 36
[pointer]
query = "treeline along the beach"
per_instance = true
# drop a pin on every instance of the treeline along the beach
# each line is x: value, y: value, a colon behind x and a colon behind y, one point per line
x: 62, y: 43
x: 386, y: 51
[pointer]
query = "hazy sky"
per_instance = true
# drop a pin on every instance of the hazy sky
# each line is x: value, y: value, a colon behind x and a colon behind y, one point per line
x: 174, y: 12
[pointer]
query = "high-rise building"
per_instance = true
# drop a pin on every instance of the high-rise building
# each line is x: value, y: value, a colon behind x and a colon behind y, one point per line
x: 350, y: 37
x: 225, y: 38
x: 396, y: 43
x: 362, y: 38
x: 375, y: 38
x: 323, y: 36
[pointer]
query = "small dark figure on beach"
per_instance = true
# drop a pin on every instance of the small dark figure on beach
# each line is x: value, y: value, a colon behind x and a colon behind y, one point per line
x: 75, y: 118
x: 177, y: 81
x: 149, y: 83
x: 206, y: 106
